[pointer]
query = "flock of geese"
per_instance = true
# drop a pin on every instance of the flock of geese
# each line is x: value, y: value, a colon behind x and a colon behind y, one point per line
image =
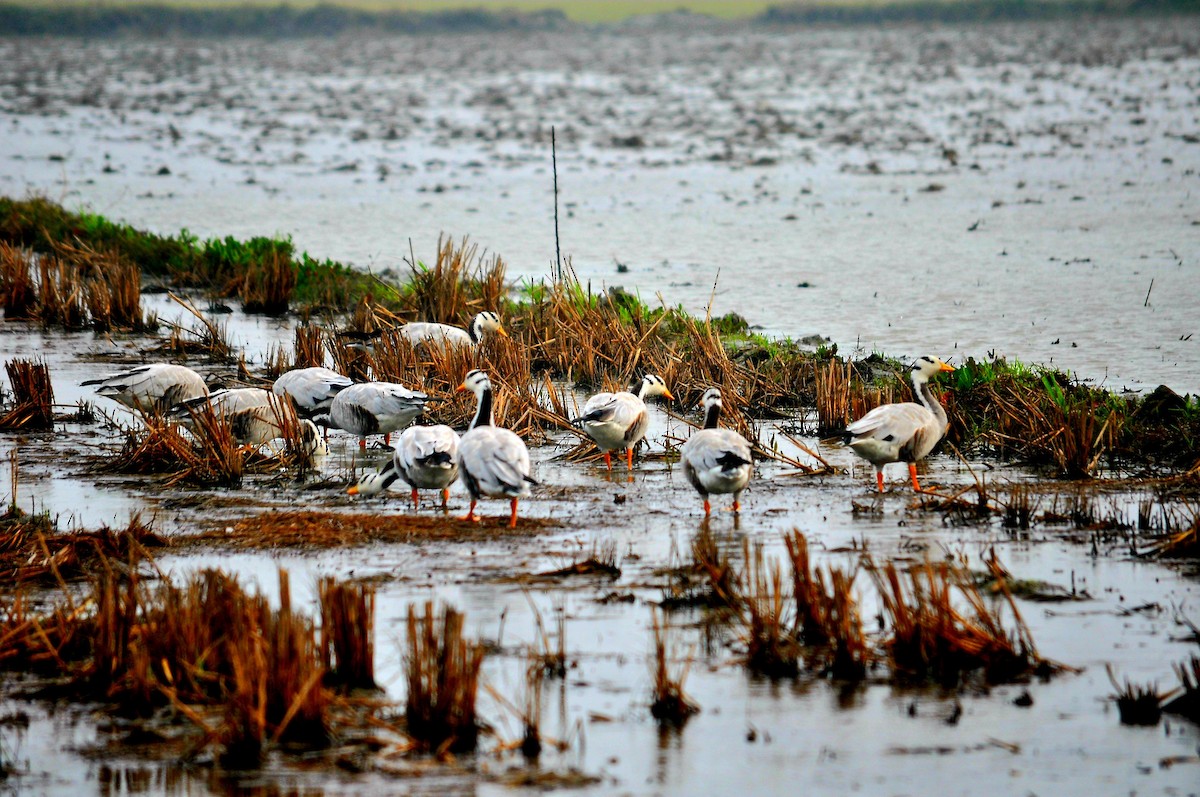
x: 493, y: 462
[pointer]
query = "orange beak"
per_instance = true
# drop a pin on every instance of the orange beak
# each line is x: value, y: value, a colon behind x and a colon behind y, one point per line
x: 353, y: 490
x: 500, y: 331
x: 461, y: 388
x: 667, y: 393
x: 946, y: 367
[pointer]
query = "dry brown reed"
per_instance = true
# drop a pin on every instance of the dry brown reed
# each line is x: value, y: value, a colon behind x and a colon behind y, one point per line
x: 33, y: 396
x: 18, y: 290
x: 670, y: 705
x: 1187, y: 704
x: 347, y: 633
x: 267, y: 283
x: 1136, y: 705
x: 461, y: 282
x: 931, y: 637
x: 32, y: 550
x: 716, y: 568
x: 443, y: 680
x: 828, y: 619
x: 308, y: 346
x: 246, y: 674
x: 833, y: 396
x: 771, y: 647
x: 208, y: 456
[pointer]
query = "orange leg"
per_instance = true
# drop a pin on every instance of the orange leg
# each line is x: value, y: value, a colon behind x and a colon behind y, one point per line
x: 387, y: 438
x: 912, y: 471
x: 362, y: 444
x: 471, y: 513
x: 512, y: 521
x: 629, y: 458
x: 707, y: 508
x: 879, y: 479
x: 608, y: 459
x: 446, y: 498
x: 416, y: 502
x: 737, y: 505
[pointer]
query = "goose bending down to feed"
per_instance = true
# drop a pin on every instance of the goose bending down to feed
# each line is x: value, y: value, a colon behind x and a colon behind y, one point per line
x: 312, y: 390
x: 375, y: 408
x: 494, y: 461
x: 152, y: 388
x: 483, y: 324
x: 255, y: 416
x: 619, y: 420
x: 904, y: 432
x: 716, y: 460
x: 426, y: 457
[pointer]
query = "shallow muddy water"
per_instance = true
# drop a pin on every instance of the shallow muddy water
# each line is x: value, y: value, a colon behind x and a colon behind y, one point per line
x: 955, y: 190
x: 1046, y: 112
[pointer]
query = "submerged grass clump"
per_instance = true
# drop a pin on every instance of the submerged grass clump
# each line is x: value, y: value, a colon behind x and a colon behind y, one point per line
x: 32, y: 405
x: 246, y: 674
x: 347, y: 633
x: 670, y: 705
x: 932, y: 638
x: 442, y: 668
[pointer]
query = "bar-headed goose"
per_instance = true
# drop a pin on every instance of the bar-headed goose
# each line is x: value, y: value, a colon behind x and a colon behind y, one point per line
x: 902, y: 432
x: 494, y: 461
x: 483, y: 324
x: 716, y: 460
x: 375, y: 408
x: 153, y: 388
x: 255, y: 416
x: 426, y: 458
x: 312, y: 390
x: 619, y: 420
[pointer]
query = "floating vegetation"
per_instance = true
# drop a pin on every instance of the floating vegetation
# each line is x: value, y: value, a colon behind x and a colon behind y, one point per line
x: 32, y: 404
x: 670, y: 705
x: 442, y: 669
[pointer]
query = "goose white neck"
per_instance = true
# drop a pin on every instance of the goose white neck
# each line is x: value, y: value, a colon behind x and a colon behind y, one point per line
x: 483, y: 407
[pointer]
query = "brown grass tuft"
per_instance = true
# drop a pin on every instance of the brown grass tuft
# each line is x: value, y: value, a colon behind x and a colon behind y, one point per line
x: 443, y: 680
x: 33, y: 396
x: 670, y: 704
x: 347, y: 633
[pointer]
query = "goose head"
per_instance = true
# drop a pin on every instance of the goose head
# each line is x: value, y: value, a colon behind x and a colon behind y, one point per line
x: 710, y: 399
x: 653, y: 385
x: 486, y: 323
x: 476, y: 382
x: 370, y: 484
x: 925, y: 368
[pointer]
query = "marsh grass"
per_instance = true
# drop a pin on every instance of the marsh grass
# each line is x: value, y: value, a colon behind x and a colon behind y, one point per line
x: 1137, y: 704
x: 772, y: 648
x: 347, y: 633
x: 1187, y: 704
x: 32, y: 396
x: 442, y: 668
x: 931, y: 637
x: 32, y: 549
x: 828, y: 620
x: 245, y: 674
x: 670, y: 704
x: 208, y: 456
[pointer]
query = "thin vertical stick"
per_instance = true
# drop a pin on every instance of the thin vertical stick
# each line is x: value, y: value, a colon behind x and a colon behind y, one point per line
x: 554, y: 166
